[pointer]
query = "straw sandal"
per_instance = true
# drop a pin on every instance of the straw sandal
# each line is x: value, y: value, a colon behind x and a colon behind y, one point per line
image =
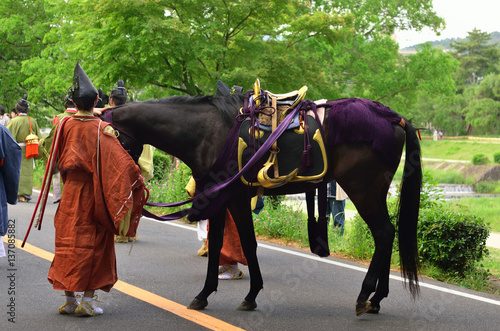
x: 203, y: 251
x: 227, y: 273
x: 68, y: 307
x: 88, y: 308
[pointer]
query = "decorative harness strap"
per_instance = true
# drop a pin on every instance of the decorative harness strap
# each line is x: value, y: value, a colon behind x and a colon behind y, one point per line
x: 220, y: 186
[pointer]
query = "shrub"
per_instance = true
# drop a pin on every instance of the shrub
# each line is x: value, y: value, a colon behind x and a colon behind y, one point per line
x: 485, y: 187
x: 496, y: 157
x: 170, y: 189
x: 479, y: 159
x: 450, y: 240
x: 162, y: 163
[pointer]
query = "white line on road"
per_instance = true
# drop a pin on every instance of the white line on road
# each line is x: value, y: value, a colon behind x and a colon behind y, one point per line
x: 344, y: 265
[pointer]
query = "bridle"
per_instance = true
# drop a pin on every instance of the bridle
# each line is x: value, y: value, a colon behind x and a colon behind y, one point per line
x: 134, y: 149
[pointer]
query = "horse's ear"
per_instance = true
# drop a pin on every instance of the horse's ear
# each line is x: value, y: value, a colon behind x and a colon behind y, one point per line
x: 222, y: 89
x: 237, y: 89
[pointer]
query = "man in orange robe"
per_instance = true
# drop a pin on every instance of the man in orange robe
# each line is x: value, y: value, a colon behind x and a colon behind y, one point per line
x: 101, y: 184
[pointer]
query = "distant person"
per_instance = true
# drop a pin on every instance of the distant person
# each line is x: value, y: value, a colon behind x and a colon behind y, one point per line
x: 4, y: 118
x: 336, y: 205
x: 435, y: 136
x: 10, y: 166
x: 118, y: 97
x: 21, y: 126
x: 46, y: 145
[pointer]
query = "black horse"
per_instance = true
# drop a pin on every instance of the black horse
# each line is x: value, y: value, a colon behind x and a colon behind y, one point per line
x: 364, y: 144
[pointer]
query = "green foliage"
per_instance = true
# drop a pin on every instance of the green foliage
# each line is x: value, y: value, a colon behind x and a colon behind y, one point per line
x: 274, y: 201
x: 486, y: 207
x: 162, y: 48
x: 482, y: 114
x: 450, y: 240
x: 162, y: 163
x: 282, y: 222
x: 477, y: 57
x: 487, y: 187
x: 360, y: 243
x: 496, y: 157
x: 479, y: 159
x: 430, y: 195
x: 171, y: 188
x: 448, y: 114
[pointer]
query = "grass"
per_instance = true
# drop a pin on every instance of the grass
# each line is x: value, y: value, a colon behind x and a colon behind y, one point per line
x: 487, y: 208
x: 462, y: 150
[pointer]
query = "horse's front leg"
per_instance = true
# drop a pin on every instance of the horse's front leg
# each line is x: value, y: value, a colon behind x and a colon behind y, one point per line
x: 240, y: 209
x: 215, y: 239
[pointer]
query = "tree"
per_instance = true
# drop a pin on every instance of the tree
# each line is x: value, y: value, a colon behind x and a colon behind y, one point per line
x: 449, y: 115
x: 483, y: 115
x: 166, y: 47
x: 382, y: 18
x: 477, y: 57
x: 22, y: 30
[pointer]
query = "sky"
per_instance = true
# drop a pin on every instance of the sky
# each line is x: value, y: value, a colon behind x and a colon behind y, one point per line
x: 461, y: 16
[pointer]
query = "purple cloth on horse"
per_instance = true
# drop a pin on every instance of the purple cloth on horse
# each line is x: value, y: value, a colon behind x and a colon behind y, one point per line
x: 355, y: 120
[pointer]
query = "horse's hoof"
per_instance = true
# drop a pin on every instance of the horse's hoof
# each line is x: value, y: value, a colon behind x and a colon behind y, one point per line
x: 362, y: 307
x: 198, y: 304
x: 373, y: 310
x: 247, y: 306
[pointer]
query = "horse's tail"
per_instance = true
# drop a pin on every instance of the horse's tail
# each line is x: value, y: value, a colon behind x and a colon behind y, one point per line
x: 408, y: 210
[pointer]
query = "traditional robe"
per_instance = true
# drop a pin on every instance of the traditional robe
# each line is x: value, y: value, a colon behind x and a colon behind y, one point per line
x: 10, y: 166
x: 20, y: 128
x: 101, y: 184
x: 231, y: 252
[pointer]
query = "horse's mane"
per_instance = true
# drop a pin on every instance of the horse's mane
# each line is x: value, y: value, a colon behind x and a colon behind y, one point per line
x: 225, y: 104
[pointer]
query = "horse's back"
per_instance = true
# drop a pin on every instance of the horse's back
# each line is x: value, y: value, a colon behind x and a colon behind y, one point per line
x: 362, y: 121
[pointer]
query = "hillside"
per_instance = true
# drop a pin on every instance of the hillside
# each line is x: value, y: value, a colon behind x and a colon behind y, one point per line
x: 445, y: 43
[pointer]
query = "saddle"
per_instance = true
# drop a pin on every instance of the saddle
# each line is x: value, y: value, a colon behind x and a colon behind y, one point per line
x: 280, y: 103
x: 299, y: 152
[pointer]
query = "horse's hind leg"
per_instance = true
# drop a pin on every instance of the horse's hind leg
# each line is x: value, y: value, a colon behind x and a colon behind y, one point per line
x: 215, y: 239
x: 377, y: 277
x: 239, y: 207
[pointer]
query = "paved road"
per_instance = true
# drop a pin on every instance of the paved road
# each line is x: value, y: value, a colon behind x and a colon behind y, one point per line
x: 161, y: 274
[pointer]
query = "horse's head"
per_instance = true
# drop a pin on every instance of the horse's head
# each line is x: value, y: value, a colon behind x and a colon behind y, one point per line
x: 126, y: 139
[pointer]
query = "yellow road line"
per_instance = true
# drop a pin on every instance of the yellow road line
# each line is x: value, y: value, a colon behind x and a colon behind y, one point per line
x: 180, y: 310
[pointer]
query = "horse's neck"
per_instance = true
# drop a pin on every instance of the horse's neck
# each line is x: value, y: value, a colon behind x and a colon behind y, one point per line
x: 194, y: 134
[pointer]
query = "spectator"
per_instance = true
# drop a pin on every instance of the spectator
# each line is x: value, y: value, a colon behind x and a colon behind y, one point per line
x: 20, y: 127
x: 4, y: 118
x: 336, y: 205
x: 46, y: 145
x: 10, y: 166
x: 118, y: 97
